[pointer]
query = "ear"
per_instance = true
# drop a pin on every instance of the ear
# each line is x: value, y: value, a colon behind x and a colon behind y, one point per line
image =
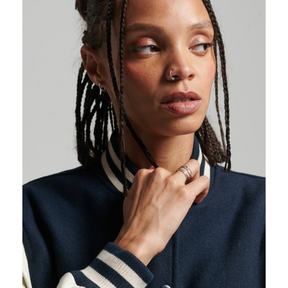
x: 91, y: 60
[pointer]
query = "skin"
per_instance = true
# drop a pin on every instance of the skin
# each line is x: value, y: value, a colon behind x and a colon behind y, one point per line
x: 156, y: 42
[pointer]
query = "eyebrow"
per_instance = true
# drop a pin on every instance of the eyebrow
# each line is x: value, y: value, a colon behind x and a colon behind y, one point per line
x: 201, y: 25
x: 135, y: 27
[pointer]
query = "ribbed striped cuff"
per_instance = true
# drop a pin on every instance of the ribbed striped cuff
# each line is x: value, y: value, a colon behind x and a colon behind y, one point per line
x: 114, y: 267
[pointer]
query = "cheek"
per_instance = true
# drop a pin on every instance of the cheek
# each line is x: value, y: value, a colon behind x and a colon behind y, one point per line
x: 210, y: 71
x: 207, y: 79
x: 135, y: 88
x: 135, y: 75
x: 139, y: 84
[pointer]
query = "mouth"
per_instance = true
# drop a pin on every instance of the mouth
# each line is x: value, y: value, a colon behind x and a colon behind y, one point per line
x: 178, y: 101
x: 179, y: 97
x: 181, y: 103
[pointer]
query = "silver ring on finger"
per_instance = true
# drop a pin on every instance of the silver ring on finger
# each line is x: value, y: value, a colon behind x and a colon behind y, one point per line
x: 187, y: 173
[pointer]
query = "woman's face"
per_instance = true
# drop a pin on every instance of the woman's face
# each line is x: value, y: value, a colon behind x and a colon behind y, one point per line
x: 161, y: 36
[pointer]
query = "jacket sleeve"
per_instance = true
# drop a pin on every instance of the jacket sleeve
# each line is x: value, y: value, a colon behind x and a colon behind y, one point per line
x: 113, y: 267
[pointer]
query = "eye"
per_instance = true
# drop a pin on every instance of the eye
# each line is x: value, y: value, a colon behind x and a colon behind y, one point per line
x: 201, y: 48
x: 147, y: 49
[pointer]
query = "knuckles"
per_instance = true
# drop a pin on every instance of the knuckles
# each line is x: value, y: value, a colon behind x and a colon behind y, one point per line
x: 160, y: 174
x: 173, y: 183
x: 185, y: 194
x: 141, y: 173
x: 162, y: 179
x: 148, y: 177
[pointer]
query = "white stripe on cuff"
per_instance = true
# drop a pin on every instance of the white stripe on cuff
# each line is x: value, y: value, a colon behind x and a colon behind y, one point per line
x: 97, y: 278
x: 122, y: 269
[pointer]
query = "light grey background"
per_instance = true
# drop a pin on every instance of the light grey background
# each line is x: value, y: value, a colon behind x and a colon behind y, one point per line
x: 52, y: 39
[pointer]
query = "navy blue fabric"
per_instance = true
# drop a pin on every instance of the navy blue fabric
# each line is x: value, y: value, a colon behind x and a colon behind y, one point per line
x: 220, y: 243
x: 69, y: 217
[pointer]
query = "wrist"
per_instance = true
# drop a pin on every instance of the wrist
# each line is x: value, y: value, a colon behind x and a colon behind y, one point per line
x: 140, y: 248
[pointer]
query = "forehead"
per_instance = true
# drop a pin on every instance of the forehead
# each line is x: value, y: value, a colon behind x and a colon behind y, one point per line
x: 164, y: 12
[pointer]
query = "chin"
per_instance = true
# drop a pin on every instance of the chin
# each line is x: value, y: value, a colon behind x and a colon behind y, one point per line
x: 167, y: 127
x: 183, y: 128
x: 174, y: 131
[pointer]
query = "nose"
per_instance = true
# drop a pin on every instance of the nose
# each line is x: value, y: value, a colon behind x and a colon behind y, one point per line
x: 180, y: 65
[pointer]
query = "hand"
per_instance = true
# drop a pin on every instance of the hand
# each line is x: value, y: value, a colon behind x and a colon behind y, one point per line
x: 157, y: 203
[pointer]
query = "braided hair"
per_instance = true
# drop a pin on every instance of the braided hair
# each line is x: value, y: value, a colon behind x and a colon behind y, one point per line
x: 95, y: 108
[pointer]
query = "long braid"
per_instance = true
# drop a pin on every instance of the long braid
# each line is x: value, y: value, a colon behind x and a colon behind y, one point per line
x: 226, y: 100
x: 109, y: 47
x: 128, y: 124
x: 119, y: 94
x: 208, y: 140
x: 217, y: 95
x: 218, y: 37
x: 122, y: 111
x: 140, y: 143
x: 120, y: 99
x: 210, y: 145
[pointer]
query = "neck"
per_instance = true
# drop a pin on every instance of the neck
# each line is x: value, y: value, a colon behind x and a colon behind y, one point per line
x: 168, y: 152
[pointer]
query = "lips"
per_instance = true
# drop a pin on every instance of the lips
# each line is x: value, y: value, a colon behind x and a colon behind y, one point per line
x: 180, y: 100
x: 182, y: 103
x: 180, y: 97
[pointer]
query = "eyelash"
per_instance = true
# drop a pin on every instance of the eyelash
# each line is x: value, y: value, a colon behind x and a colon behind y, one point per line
x: 205, y: 45
x: 154, y: 48
x: 151, y: 47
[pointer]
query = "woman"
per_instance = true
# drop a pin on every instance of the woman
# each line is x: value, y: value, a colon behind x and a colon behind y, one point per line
x: 157, y: 70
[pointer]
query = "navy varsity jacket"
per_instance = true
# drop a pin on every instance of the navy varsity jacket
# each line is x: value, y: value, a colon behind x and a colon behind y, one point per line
x: 72, y: 218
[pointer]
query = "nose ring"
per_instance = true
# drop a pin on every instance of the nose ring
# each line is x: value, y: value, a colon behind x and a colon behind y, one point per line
x: 172, y: 78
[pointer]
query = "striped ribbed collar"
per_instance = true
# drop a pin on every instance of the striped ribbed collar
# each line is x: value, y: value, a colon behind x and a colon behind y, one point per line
x: 112, y: 166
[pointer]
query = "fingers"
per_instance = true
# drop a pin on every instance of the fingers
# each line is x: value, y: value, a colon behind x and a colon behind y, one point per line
x: 154, y: 181
x: 189, y: 172
x: 197, y: 187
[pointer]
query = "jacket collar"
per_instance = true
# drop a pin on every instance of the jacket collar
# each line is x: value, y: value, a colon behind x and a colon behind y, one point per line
x: 111, y: 164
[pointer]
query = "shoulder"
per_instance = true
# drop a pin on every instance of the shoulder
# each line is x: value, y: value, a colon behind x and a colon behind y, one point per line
x: 239, y: 196
x: 75, y: 196
x: 237, y: 180
x: 238, y: 188
x: 68, y: 180
x: 68, y: 188
x: 58, y: 178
